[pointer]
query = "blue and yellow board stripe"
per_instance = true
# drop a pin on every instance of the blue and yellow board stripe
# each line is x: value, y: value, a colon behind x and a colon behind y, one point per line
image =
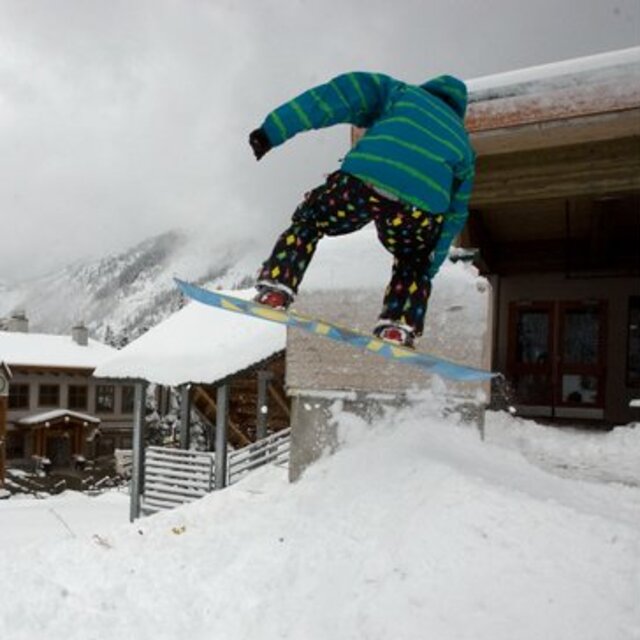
x: 426, y: 362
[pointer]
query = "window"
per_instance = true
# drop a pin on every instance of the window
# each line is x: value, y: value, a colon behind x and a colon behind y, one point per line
x: 78, y: 396
x: 128, y: 394
x: 49, y: 395
x: 633, y: 343
x: 19, y: 396
x: 105, y: 398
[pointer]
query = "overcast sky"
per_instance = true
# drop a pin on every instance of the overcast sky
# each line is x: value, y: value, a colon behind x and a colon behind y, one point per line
x: 120, y: 119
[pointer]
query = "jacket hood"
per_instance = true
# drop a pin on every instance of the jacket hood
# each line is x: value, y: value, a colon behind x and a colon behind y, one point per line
x: 452, y: 90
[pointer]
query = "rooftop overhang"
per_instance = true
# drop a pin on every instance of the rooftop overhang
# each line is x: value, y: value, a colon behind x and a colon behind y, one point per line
x: 564, y: 116
x: 558, y: 166
x: 587, y: 99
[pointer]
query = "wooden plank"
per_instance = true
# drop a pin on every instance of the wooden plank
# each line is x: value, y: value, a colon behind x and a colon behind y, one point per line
x: 236, y: 435
x: 559, y: 173
x: 543, y: 135
x: 279, y: 399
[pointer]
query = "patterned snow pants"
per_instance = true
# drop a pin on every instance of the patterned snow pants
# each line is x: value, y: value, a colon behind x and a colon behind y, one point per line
x: 345, y: 204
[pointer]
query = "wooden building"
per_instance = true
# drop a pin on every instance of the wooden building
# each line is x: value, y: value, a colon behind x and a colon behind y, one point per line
x: 555, y: 215
x: 58, y: 412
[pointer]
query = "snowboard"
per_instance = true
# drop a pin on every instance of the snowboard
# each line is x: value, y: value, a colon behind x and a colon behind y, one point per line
x: 426, y: 362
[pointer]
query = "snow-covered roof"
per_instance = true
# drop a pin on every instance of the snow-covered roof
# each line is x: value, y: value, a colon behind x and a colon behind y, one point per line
x: 197, y: 344
x: 588, y: 69
x: 564, y: 91
x: 45, y: 350
x: 57, y: 414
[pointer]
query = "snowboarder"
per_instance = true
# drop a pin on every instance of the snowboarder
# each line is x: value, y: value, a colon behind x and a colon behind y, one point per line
x: 411, y: 173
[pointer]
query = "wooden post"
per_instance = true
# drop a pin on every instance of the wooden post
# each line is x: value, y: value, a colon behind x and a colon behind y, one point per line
x: 185, y: 416
x: 264, y: 377
x: 137, y: 466
x: 222, y: 417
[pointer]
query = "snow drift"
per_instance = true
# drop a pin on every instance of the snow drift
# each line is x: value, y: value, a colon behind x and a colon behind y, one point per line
x: 414, y: 529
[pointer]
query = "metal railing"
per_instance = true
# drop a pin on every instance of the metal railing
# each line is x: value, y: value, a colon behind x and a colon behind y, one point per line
x: 176, y: 476
x: 273, y: 449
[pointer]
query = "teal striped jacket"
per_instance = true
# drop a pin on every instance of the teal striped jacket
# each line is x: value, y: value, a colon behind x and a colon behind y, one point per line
x: 415, y: 145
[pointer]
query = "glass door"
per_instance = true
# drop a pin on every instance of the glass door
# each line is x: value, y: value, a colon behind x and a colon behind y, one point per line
x: 556, y: 358
x: 581, y: 358
x: 530, y: 360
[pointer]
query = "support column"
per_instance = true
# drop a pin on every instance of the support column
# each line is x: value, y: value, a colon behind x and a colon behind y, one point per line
x: 137, y: 468
x: 185, y: 416
x: 264, y: 377
x: 3, y: 439
x: 222, y: 416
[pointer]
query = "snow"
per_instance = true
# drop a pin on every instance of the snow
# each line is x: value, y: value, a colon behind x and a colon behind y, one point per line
x: 29, y: 522
x: 45, y: 350
x: 354, y: 262
x: 198, y: 344
x: 50, y: 416
x: 414, y: 529
x: 591, y: 455
x: 603, y: 65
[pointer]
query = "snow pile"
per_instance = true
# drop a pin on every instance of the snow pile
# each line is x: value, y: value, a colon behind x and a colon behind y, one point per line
x: 69, y: 515
x: 606, y: 456
x: 414, y: 529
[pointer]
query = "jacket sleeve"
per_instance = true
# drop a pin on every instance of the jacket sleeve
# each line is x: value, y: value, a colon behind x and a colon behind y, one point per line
x: 455, y: 219
x: 356, y: 98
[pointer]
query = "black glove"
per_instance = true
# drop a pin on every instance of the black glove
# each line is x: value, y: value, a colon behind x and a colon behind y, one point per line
x: 259, y: 143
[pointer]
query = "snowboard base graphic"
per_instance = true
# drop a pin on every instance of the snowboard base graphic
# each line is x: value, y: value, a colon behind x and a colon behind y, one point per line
x: 426, y: 362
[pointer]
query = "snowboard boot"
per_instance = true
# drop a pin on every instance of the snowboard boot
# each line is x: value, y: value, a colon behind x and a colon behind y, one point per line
x: 274, y: 295
x: 395, y: 333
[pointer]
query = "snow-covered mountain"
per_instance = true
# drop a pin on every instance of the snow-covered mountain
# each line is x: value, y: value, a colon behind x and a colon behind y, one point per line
x: 121, y: 295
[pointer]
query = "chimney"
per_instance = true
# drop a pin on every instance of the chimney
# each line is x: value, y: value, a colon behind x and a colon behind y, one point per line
x: 80, y: 335
x: 18, y: 323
